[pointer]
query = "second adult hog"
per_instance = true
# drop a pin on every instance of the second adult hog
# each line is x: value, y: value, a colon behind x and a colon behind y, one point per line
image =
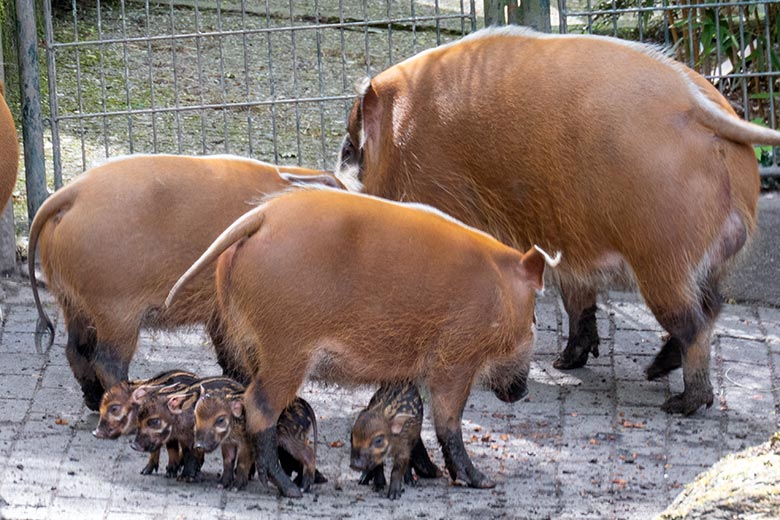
x: 389, y: 426
x: 370, y: 291
x: 114, y: 240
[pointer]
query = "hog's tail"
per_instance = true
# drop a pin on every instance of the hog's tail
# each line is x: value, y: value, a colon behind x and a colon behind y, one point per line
x: 730, y: 126
x: 245, y: 226
x: 313, y: 416
x: 55, y: 203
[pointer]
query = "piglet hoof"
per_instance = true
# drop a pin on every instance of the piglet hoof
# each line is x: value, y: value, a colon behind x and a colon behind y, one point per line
x: 395, y: 491
x: 240, y: 483
x: 171, y: 471
x: 224, y: 482
x: 149, y: 469
x: 687, y: 403
x: 365, y: 478
x: 379, y: 481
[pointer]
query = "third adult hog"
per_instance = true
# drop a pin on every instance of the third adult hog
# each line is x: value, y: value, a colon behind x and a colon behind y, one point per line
x: 114, y: 240
x: 370, y: 291
x: 621, y: 158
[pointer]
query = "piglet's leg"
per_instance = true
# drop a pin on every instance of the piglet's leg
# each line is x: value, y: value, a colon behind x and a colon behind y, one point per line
x: 228, y: 461
x: 448, y: 398
x: 174, y: 458
x: 154, y: 463
x: 243, y: 466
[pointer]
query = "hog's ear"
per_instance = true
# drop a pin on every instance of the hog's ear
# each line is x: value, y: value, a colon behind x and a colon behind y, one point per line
x: 370, y: 113
x: 181, y: 402
x: 237, y: 407
x: 306, y: 180
x: 397, y: 422
x: 533, y: 263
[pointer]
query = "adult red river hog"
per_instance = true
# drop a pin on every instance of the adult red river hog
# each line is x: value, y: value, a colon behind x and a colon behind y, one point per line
x: 619, y: 157
x: 354, y: 289
x: 9, y: 151
x: 115, y: 239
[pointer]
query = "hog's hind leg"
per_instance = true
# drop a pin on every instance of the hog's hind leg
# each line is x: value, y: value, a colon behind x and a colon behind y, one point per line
x: 264, y: 403
x: 80, y: 350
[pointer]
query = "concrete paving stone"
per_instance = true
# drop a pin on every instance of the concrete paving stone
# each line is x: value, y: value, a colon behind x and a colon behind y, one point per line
x: 83, y: 483
x: 26, y: 494
x: 631, y: 366
x: 640, y: 393
x: 84, y: 508
x: 751, y: 378
x: 596, y: 379
x: 59, y: 376
x: 24, y: 512
x: 61, y: 402
x: 637, y: 342
x: 13, y: 410
x: 547, y: 342
x: 744, y: 351
x: 751, y: 402
x: 16, y: 363
x: 125, y: 515
x: 18, y: 386
x: 588, y: 403
x: 677, y: 475
x: 634, y: 316
x: 738, y: 321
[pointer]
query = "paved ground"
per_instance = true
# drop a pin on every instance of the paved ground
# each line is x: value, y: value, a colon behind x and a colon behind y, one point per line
x: 755, y: 278
x: 588, y: 443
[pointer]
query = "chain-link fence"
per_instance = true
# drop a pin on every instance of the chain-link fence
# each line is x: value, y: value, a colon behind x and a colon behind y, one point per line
x: 273, y: 79
x: 734, y: 44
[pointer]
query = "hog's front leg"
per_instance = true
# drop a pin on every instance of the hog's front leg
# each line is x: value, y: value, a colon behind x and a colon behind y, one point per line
x: 448, y: 398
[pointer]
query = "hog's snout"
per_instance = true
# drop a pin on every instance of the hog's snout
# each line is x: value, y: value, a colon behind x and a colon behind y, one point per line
x: 514, y: 391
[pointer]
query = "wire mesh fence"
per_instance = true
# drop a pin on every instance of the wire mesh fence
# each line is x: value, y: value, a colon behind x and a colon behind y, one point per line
x: 271, y: 80
x: 734, y: 44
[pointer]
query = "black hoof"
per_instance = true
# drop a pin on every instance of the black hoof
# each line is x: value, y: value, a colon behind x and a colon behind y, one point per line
x: 687, y: 403
x: 668, y: 359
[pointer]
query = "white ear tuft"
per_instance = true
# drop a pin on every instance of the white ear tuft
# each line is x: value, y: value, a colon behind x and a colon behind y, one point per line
x: 552, y: 262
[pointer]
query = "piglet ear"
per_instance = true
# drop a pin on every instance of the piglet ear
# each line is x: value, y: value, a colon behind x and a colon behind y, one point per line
x: 237, y: 407
x: 141, y: 393
x: 533, y: 263
x: 180, y: 402
x: 397, y: 422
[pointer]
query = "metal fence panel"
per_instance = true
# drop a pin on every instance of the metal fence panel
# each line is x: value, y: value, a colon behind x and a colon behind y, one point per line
x: 268, y: 79
x: 734, y: 44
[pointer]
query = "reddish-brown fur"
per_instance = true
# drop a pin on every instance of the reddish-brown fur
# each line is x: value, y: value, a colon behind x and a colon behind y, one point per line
x: 114, y: 240
x: 9, y: 151
x: 603, y: 150
x: 355, y: 289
